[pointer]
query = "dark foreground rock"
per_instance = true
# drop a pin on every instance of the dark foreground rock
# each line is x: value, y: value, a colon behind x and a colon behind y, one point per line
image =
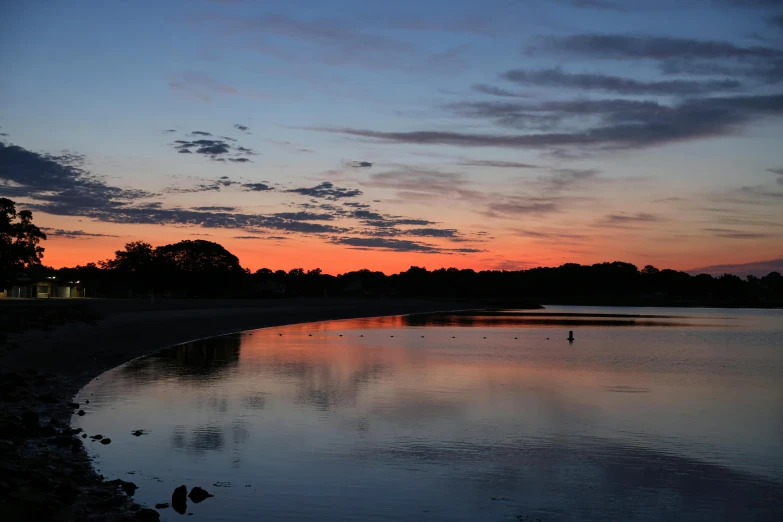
x: 198, y: 495
x: 44, y: 471
x: 146, y: 515
x: 129, y: 488
x: 179, y: 499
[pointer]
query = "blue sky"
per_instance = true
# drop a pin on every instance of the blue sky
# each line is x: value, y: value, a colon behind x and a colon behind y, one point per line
x: 512, y: 132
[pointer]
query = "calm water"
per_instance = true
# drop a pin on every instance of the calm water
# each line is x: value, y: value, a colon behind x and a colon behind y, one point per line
x: 650, y: 415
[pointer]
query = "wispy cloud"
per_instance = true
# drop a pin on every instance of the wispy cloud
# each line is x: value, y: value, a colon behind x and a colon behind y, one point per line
x: 304, y: 216
x: 497, y: 164
x: 614, y: 46
x: 623, y: 219
x: 515, y: 206
x: 779, y: 173
x: 624, y: 124
x: 73, y: 234
x: 326, y: 190
x: 361, y: 164
x: 399, y: 245
x: 215, y: 185
x: 735, y: 234
x: 497, y: 91
x: 558, y: 78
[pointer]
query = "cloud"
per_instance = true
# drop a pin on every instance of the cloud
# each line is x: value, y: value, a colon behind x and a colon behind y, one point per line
x: 304, y: 216
x: 214, y: 209
x: 757, y: 268
x: 522, y: 206
x: 497, y: 91
x: 776, y: 21
x: 385, y: 244
x: 256, y: 187
x: 563, y: 179
x: 616, y: 84
x: 629, y: 220
x: 58, y: 183
x: 222, y: 149
x: 623, y: 124
x: 432, y: 232
x: 273, y: 238
x: 621, y: 47
x: 60, y: 188
x: 672, y: 55
x: 381, y: 221
x: 243, y: 128
x: 72, y: 234
x: 361, y: 164
x: 735, y: 234
x: 760, y: 192
x: 326, y: 190
x: 208, y: 186
x: 496, y: 164
x: 546, y: 234
x: 211, y: 148
x: 764, y: 70
x: 397, y: 245
x: 779, y: 172
x: 421, y: 183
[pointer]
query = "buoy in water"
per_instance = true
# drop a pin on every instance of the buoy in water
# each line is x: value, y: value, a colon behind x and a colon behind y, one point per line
x: 570, y: 336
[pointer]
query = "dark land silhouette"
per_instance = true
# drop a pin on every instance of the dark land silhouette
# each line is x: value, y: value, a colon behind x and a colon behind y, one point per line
x: 203, y: 269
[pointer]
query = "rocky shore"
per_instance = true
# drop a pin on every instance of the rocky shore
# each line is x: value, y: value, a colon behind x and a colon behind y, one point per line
x: 50, y: 349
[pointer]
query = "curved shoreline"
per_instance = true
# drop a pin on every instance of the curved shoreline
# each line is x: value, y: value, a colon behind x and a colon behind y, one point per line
x: 45, y: 472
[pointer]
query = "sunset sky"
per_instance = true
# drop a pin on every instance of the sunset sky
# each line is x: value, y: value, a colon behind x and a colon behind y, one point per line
x: 347, y: 134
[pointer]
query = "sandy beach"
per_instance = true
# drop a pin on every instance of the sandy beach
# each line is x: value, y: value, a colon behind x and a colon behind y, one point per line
x: 53, y: 348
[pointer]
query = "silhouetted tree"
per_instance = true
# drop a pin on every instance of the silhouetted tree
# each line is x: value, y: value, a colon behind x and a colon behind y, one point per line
x: 138, y: 256
x: 206, y: 269
x: 19, y: 242
x: 198, y: 256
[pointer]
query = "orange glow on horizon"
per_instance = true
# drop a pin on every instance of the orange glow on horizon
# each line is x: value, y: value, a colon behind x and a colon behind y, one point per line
x: 505, y: 253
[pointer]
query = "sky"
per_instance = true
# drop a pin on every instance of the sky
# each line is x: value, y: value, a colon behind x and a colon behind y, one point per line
x: 487, y: 134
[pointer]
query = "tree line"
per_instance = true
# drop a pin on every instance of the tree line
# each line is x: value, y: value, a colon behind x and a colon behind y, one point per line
x: 198, y: 268
x: 204, y: 269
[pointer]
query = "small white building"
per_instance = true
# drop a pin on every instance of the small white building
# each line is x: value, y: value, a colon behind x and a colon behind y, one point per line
x: 49, y: 287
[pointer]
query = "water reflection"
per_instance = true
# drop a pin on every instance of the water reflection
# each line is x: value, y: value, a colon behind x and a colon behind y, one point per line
x: 339, y: 420
x: 515, y: 319
x: 191, y: 361
x: 199, y: 440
